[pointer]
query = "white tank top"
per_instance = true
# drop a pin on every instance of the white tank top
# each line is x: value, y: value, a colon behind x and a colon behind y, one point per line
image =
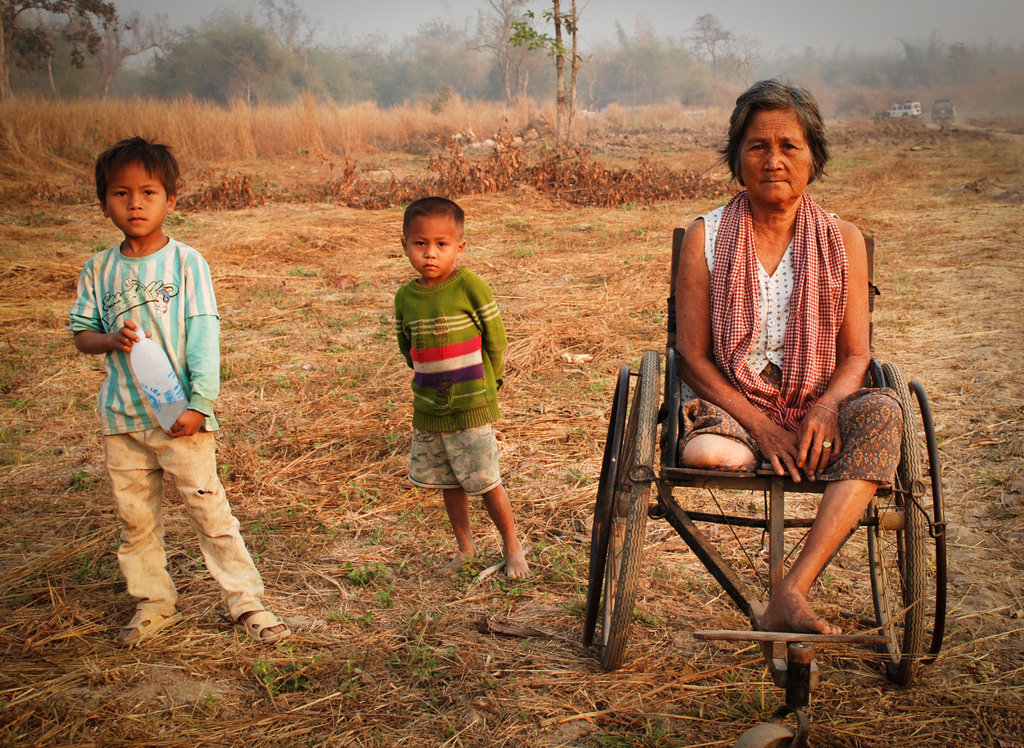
x: 772, y: 303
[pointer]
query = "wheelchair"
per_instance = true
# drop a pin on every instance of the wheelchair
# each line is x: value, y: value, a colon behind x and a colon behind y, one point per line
x: 903, y: 525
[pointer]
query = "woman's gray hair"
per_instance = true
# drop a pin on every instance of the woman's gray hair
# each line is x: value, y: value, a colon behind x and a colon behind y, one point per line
x: 769, y: 95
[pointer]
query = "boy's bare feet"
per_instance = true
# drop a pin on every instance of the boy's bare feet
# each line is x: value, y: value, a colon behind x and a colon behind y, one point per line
x: 460, y: 559
x: 789, y: 611
x: 516, y: 566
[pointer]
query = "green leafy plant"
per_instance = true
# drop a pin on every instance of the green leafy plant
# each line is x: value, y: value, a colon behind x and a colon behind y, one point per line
x: 81, y: 480
x: 365, y: 575
x: 383, y: 596
x: 284, y: 677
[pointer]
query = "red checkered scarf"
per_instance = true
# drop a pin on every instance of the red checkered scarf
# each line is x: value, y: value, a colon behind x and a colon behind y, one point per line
x: 816, y: 309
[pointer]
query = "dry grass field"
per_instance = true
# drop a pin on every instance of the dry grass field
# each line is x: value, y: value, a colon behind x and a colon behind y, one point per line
x: 315, y: 413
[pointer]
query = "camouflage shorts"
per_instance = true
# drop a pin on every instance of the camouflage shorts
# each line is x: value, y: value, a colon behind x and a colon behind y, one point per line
x: 449, y: 459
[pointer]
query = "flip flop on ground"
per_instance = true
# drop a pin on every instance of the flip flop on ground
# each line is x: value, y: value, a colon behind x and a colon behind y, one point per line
x: 263, y: 626
x: 143, y: 625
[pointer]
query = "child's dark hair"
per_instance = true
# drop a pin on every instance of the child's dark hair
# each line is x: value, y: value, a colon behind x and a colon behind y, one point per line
x: 433, y: 206
x: 155, y: 158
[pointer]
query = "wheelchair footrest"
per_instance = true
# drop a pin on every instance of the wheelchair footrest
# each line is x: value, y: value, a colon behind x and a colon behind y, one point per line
x: 789, y: 636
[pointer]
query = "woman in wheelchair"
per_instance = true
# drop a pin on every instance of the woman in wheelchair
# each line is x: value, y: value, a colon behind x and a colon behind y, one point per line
x: 774, y: 339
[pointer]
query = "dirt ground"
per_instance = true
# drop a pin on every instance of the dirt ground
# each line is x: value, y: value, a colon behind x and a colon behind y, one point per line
x: 315, y: 413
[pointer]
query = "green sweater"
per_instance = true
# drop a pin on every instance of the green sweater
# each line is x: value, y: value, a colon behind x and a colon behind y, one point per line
x: 452, y: 336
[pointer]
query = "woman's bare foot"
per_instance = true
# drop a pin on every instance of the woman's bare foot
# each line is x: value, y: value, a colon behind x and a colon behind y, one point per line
x: 788, y: 611
x: 516, y: 566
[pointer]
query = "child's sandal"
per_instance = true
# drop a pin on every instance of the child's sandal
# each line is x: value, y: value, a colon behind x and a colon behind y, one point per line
x: 144, y: 625
x: 259, y: 625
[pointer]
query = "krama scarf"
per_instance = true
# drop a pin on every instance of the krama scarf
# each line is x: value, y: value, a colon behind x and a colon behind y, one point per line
x: 816, y: 309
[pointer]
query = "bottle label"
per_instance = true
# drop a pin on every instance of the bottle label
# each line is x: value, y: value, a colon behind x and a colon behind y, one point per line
x: 158, y: 381
x: 170, y: 392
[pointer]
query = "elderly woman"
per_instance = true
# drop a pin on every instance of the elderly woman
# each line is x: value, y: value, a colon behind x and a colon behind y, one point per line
x: 774, y: 339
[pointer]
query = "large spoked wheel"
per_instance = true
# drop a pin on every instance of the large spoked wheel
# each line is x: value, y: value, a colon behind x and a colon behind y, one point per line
x: 896, y: 551
x: 935, y: 540
x: 603, y: 508
x: 627, y: 496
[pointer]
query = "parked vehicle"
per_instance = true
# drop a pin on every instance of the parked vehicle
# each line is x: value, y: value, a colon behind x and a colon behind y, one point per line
x: 943, y: 112
x: 902, y: 109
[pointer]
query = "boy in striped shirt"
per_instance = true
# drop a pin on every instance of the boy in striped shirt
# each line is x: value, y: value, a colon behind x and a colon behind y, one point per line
x: 451, y: 335
x: 155, y: 286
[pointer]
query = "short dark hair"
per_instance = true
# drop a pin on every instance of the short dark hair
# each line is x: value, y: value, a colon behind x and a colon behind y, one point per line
x: 155, y: 158
x: 774, y: 94
x: 433, y: 206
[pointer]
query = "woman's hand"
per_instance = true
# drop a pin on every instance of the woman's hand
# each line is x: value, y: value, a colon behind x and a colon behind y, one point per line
x: 780, y: 448
x: 819, y: 439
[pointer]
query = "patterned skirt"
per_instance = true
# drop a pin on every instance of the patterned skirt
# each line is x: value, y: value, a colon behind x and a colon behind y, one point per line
x: 870, y: 424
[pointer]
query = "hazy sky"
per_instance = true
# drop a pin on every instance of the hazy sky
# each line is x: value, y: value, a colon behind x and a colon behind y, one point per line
x: 868, y: 25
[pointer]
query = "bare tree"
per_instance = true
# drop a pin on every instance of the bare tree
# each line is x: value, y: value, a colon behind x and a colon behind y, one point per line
x: 123, y: 40
x: 561, y: 100
x: 709, y: 37
x: 575, y: 61
x: 747, y: 52
x: 497, y: 36
x: 34, y: 44
x: 524, y: 34
x: 290, y: 26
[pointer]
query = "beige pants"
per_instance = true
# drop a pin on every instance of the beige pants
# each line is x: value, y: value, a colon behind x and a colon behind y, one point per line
x: 137, y: 463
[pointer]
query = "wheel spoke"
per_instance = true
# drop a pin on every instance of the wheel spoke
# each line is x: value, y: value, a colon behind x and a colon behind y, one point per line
x: 627, y: 534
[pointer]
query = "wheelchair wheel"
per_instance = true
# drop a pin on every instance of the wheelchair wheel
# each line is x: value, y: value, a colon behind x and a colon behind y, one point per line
x: 603, y: 508
x: 936, y: 538
x: 896, y: 551
x: 627, y: 525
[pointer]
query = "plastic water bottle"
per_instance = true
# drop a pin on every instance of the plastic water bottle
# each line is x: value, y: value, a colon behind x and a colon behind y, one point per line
x: 159, y: 382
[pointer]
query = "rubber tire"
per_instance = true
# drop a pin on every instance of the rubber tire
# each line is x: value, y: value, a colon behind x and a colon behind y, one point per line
x: 601, y: 525
x: 936, y: 541
x: 897, y: 557
x: 766, y: 735
x: 629, y: 514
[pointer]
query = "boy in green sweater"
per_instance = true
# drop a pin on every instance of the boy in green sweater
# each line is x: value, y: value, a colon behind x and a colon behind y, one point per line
x: 451, y: 335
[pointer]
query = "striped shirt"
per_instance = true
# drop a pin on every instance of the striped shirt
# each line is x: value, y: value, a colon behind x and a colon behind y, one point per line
x: 169, y: 294
x: 452, y: 336
x: 444, y: 365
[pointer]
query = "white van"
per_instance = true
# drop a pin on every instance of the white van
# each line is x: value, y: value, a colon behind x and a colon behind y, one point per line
x: 904, y: 109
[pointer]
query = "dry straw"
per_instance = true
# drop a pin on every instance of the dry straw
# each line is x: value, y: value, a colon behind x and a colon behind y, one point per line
x: 315, y: 411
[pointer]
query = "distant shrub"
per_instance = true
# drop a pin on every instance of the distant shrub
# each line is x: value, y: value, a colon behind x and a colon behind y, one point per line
x: 228, y: 192
x: 569, y: 174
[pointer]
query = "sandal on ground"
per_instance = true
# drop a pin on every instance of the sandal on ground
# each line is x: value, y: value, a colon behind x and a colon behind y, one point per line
x: 143, y: 625
x: 263, y: 626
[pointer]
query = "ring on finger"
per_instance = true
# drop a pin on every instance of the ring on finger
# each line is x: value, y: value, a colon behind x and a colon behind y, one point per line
x: 826, y: 445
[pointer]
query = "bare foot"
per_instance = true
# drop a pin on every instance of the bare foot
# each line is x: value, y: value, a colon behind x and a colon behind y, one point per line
x: 459, y: 560
x: 789, y: 611
x: 516, y: 566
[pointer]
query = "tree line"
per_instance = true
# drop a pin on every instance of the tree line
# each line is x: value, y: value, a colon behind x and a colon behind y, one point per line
x: 272, y: 54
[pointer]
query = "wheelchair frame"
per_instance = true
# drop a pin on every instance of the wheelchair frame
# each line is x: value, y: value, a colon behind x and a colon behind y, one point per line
x: 905, y: 538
